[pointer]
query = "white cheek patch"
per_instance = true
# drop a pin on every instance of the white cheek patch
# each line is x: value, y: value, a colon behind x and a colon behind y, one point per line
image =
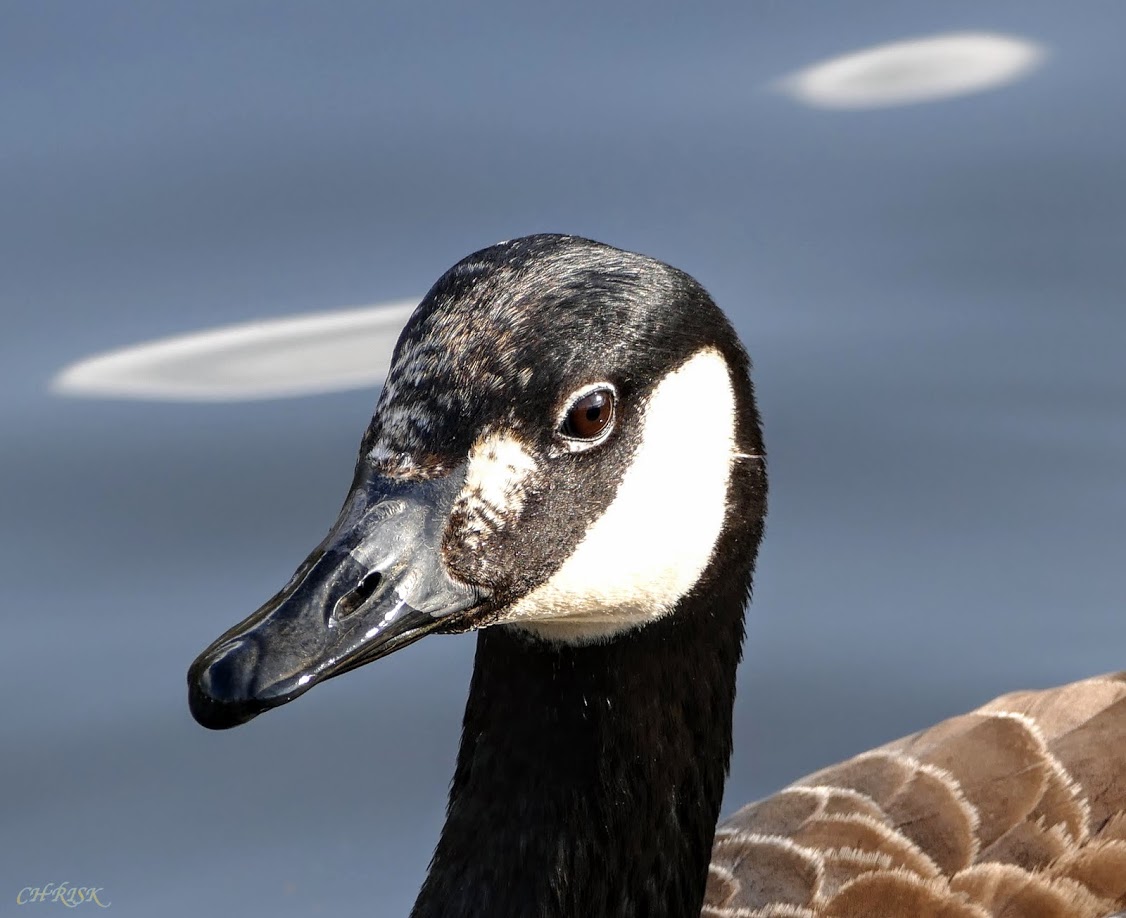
x: 653, y: 542
x: 496, y: 483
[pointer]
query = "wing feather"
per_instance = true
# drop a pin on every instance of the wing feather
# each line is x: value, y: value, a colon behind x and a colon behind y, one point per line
x: 1015, y: 809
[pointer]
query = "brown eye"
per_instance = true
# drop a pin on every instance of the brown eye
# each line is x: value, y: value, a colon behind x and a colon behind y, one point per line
x: 590, y: 416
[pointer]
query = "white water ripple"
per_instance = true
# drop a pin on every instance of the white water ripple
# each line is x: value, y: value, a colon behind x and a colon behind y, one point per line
x: 274, y: 358
x: 915, y: 70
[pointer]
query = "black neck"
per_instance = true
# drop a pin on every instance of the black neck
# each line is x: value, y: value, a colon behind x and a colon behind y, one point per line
x: 589, y: 778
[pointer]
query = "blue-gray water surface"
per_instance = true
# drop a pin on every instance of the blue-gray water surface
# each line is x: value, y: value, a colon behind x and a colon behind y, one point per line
x: 933, y: 296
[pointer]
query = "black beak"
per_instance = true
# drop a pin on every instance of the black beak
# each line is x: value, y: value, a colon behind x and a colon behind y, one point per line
x: 375, y: 584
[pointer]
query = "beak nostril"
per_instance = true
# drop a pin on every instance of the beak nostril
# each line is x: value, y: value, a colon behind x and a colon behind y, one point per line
x: 352, y: 601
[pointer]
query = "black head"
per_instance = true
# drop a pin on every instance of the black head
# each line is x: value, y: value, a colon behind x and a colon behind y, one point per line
x: 566, y: 437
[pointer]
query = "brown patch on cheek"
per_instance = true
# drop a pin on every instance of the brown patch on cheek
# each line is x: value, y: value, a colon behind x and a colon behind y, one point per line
x: 481, y: 542
x: 461, y: 546
x: 482, y: 538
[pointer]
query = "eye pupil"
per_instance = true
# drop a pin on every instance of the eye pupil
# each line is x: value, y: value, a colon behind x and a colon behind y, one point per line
x: 589, y: 416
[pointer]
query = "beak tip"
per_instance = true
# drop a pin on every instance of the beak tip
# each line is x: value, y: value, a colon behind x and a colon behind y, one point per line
x: 218, y: 695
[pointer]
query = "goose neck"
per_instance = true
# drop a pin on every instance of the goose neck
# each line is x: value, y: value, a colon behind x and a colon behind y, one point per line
x: 590, y: 777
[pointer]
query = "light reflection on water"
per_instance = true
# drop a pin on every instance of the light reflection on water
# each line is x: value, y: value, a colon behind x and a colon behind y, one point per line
x: 915, y: 70
x: 277, y: 358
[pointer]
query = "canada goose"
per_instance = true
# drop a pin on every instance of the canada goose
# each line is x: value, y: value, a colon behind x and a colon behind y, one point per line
x: 516, y: 480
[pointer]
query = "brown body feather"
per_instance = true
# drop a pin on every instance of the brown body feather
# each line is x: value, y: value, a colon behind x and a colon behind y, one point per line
x: 1015, y: 810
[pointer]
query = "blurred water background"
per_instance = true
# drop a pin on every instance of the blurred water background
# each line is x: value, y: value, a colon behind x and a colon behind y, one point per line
x: 933, y: 296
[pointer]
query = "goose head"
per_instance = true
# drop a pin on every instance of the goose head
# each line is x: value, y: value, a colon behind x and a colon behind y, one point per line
x: 566, y: 446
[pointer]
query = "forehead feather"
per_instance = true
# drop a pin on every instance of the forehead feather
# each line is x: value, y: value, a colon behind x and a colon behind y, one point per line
x: 553, y: 302
x: 512, y: 324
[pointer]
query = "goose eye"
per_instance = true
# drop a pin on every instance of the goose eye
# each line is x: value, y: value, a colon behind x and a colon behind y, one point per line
x: 590, y: 416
